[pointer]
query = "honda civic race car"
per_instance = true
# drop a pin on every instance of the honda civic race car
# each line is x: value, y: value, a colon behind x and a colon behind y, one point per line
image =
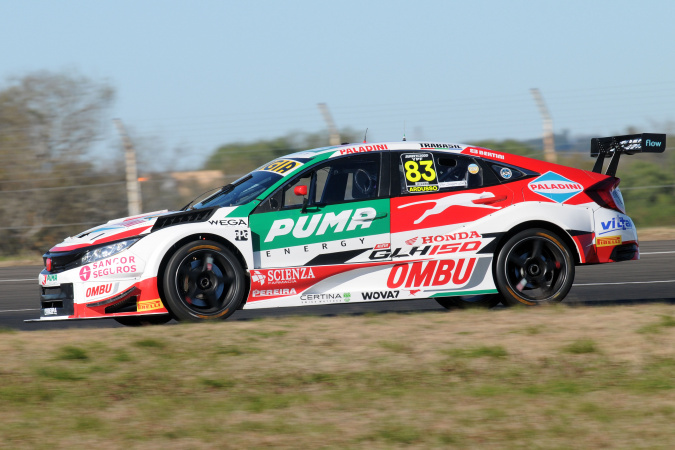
x: 463, y: 225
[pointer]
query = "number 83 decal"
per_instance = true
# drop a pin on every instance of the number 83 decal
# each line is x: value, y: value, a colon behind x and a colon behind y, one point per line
x: 420, y: 172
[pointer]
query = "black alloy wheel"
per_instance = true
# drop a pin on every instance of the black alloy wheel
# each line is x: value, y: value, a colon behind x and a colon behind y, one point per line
x: 203, y: 281
x: 534, y: 267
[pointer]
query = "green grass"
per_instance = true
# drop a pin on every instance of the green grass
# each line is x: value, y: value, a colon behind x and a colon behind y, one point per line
x: 489, y: 351
x: 348, y: 382
x: 665, y: 321
x: 72, y: 353
x: 581, y: 346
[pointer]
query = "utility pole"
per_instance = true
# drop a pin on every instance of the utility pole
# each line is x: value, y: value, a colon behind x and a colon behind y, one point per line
x: 549, y: 145
x: 334, y: 135
x: 133, y: 186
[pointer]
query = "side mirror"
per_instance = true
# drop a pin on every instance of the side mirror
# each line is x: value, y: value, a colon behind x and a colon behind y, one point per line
x: 300, y: 191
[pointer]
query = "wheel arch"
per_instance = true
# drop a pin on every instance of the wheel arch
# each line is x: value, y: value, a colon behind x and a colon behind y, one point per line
x: 200, y: 237
x: 557, y: 229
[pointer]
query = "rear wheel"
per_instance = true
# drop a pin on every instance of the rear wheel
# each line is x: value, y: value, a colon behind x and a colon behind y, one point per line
x: 470, y: 301
x: 203, y: 281
x: 534, y: 267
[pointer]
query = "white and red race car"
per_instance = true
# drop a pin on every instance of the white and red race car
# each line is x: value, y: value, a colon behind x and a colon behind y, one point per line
x: 355, y: 223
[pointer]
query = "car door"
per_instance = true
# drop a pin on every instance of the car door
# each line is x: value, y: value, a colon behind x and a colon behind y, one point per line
x: 333, y: 213
x: 437, y: 205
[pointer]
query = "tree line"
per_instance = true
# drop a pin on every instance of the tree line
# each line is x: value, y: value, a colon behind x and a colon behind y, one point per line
x: 57, y: 177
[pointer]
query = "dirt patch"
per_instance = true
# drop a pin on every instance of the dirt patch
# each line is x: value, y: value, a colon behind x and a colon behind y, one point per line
x: 656, y: 234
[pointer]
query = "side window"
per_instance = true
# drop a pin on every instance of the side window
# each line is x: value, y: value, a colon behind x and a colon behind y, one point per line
x: 339, y: 180
x: 289, y: 198
x: 428, y: 172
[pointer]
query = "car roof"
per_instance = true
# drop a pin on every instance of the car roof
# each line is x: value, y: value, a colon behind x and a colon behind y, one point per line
x: 346, y: 149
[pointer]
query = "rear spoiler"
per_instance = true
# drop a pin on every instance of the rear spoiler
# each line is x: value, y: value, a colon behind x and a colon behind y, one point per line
x: 628, y: 144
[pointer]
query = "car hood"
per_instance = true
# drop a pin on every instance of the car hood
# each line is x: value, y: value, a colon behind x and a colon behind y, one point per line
x: 114, y: 230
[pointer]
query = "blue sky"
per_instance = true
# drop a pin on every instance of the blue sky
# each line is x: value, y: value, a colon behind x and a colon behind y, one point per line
x: 197, y: 74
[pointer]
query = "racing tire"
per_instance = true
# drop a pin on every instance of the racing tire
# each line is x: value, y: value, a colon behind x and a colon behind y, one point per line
x: 141, y: 321
x: 470, y: 301
x: 203, y: 281
x: 534, y: 267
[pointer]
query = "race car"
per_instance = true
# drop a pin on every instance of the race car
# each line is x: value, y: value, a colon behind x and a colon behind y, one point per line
x: 464, y: 225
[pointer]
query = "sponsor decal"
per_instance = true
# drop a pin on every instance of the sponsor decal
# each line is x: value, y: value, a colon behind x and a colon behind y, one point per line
x: 283, y: 276
x: 85, y: 273
x: 380, y: 295
x: 449, y: 184
x: 50, y: 311
x: 429, y: 250
x: 431, y: 273
x: 385, y: 245
x: 427, y: 146
x: 291, y: 281
x: 505, y: 173
x: 319, y: 224
x: 101, y: 289
x: 326, y: 224
x: 441, y: 204
x: 619, y: 223
x: 322, y: 298
x: 113, y: 271
x: 281, y: 166
x: 411, y: 241
x: 431, y: 188
x: 48, y: 278
x: 241, y: 235
x: 258, y: 277
x: 136, y: 220
x: 608, y: 241
x: 555, y: 187
x: 473, y: 169
x: 273, y: 292
x: 363, y: 149
x: 228, y: 222
x: 111, y: 266
x: 631, y: 144
x: 486, y: 153
x: 420, y: 172
x: 149, y: 305
x: 650, y: 143
x: 113, y: 262
x: 459, y: 236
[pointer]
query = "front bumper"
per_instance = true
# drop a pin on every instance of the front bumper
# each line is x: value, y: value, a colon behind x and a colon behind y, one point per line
x: 97, y: 300
x: 56, y: 301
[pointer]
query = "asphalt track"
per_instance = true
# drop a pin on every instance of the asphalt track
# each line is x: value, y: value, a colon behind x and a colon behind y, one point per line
x: 649, y: 280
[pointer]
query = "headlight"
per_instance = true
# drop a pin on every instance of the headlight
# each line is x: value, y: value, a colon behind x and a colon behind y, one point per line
x: 107, y: 251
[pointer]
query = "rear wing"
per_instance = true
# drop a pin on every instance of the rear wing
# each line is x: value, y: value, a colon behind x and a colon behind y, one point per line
x: 628, y: 144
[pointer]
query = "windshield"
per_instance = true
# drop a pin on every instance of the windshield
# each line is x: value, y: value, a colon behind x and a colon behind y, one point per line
x: 242, y: 191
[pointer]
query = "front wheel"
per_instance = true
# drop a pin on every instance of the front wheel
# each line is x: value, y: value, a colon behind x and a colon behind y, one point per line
x: 534, y: 267
x: 203, y: 281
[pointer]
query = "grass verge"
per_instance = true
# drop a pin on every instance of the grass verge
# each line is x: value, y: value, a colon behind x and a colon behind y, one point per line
x: 535, y: 378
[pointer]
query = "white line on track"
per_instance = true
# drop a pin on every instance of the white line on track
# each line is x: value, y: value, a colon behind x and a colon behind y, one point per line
x: 18, y: 310
x: 655, y: 253
x: 625, y: 282
x: 14, y: 281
